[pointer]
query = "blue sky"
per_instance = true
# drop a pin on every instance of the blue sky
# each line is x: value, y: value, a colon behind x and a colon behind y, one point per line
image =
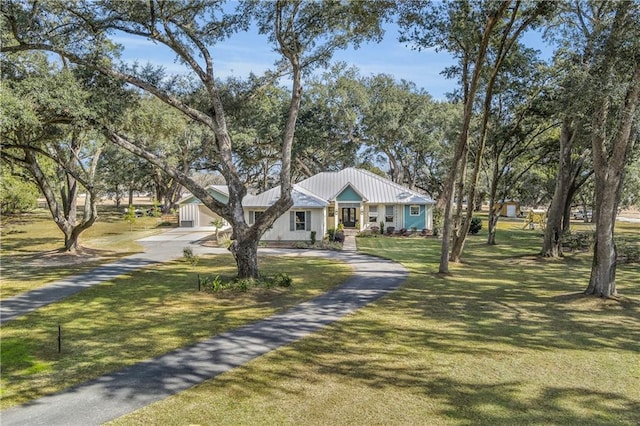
x: 248, y: 52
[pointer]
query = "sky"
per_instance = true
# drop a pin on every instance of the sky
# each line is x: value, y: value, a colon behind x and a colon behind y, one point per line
x: 248, y: 52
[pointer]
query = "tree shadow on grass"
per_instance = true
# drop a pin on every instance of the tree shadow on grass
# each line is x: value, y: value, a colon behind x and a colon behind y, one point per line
x: 334, y: 357
x: 500, y: 404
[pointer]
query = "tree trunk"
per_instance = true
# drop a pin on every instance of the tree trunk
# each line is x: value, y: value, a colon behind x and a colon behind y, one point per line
x: 552, y: 244
x: 246, y: 256
x: 603, y: 269
x: 609, y: 166
x: 245, y: 253
x: 494, y: 216
x: 71, y: 240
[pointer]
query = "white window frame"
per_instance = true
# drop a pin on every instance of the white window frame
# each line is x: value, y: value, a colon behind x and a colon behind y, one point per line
x: 373, y: 214
x: 387, y: 215
x: 411, y: 213
x: 253, y: 214
x: 295, y: 224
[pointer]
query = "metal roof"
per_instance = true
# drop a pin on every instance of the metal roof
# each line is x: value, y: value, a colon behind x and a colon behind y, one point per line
x: 301, y: 198
x: 375, y: 189
x: 319, y: 190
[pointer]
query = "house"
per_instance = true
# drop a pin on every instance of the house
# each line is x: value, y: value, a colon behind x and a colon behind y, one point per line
x: 355, y: 198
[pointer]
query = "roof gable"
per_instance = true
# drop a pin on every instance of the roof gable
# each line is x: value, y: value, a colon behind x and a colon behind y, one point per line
x: 349, y: 193
x: 219, y: 192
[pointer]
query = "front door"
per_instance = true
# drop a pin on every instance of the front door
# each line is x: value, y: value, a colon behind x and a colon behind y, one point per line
x: 349, y: 217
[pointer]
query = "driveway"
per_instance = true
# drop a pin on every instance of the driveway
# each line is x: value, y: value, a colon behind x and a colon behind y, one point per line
x: 134, y: 387
x: 158, y: 248
x: 183, y: 234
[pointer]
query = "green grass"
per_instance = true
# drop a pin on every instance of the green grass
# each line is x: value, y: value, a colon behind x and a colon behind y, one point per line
x: 142, y: 315
x: 30, y: 244
x: 507, y: 339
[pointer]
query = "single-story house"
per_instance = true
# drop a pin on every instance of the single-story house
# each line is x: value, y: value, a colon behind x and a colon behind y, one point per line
x: 355, y: 198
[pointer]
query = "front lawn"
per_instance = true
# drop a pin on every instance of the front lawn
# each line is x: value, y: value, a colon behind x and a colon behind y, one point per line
x: 507, y: 339
x: 31, y: 243
x: 142, y: 315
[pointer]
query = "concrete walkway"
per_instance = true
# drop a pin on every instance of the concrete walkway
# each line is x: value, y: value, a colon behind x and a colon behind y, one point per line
x: 116, y: 394
x: 349, y: 243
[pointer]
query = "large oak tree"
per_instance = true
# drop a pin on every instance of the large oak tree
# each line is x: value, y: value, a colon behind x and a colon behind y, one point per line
x: 304, y: 33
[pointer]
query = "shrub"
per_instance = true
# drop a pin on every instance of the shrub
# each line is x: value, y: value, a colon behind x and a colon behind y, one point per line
x: 225, y: 241
x: 301, y: 245
x: 476, y: 225
x: 331, y: 234
x: 438, y: 219
x: 16, y: 195
x: 282, y: 279
x: 212, y: 284
x: 578, y: 240
x: 329, y: 245
x: 313, y: 237
x: 188, y: 255
x: 368, y: 234
x: 381, y: 228
x: 244, y: 284
x: 628, y: 252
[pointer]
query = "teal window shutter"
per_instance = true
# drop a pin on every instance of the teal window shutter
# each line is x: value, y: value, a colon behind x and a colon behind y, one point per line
x: 292, y: 221
x: 307, y: 220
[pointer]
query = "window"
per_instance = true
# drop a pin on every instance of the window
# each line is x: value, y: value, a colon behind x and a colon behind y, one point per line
x: 300, y: 221
x: 373, y: 214
x: 332, y: 211
x: 414, y: 210
x: 254, y: 216
x: 388, y: 214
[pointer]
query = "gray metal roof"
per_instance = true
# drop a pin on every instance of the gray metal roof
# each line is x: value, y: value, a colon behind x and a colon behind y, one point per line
x: 301, y: 198
x: 374, y: 188
x: 319, y: 190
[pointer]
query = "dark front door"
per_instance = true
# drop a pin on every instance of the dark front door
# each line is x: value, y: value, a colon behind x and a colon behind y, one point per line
x: 349, y: 217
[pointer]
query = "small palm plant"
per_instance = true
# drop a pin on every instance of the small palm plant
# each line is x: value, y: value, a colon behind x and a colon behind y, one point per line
x: 217, y: 224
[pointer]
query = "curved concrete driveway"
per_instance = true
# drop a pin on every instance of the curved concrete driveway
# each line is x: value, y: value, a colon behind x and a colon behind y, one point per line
x: 119, y: 393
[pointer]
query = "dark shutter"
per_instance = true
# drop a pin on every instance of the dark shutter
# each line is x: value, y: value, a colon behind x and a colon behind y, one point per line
x: 292, y: 221
x: 307, y: 220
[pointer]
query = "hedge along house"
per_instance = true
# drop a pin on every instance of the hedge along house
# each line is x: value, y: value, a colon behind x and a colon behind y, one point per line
x: 193, y: 214
x: 355, y: 198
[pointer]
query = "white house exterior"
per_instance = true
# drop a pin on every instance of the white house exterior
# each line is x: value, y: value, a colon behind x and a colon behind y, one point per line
x: 307, y: 214
x: 355, y: 198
